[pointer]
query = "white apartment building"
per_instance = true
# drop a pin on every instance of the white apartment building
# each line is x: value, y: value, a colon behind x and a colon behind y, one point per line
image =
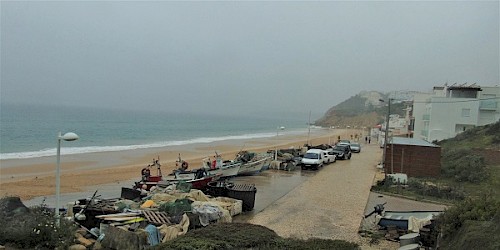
x: 450, y: 110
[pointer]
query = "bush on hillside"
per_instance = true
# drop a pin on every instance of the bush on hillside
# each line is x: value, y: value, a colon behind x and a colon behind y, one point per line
x: 475, y: 235
x: 493, y: 129
x: 464, y: 165
x: 34, y: 228
x: 482, y: 209
x: 423, y: 188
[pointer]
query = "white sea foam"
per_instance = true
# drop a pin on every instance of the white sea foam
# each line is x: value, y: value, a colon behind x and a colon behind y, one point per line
x: 67, y: 150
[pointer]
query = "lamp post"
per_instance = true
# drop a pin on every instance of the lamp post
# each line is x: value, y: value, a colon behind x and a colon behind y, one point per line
x: 386, y: 131
x: 67, y: 137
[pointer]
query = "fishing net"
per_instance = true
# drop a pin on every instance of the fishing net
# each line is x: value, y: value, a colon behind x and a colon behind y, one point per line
x: 177, y: 207
x: 183, y: 186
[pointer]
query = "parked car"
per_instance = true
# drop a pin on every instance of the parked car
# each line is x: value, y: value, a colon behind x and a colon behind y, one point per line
x: 342, y: 152
x: 355, y: 147
x: 314, y: 159
x: 331, y: 155
x: 344, y: 142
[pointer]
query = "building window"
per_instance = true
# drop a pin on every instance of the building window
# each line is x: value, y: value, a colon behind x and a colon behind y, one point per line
x: 465, y: 112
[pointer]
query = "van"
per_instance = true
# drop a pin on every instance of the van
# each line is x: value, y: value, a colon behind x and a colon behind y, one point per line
x: 313, y: 159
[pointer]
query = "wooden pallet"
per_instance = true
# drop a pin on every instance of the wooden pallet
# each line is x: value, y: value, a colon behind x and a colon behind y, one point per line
x: 156, y: 217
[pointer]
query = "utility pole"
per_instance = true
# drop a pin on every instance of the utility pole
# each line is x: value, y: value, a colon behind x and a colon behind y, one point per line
x: 386, y: 132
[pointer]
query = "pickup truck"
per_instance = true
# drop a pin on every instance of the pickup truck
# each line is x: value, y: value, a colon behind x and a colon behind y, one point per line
x: 314, y: 159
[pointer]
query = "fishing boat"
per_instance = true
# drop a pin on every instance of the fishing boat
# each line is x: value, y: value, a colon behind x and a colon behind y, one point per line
x: 199, y: 181
x: 217, y: 167
x: 198, y: 178
x: 223, y: 168
x: 252, y: 163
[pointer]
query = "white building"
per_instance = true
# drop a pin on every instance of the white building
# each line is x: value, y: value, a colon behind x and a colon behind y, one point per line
x: 450, y: 110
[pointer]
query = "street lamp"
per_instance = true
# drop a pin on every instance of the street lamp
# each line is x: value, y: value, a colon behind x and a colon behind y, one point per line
x: 386, y: 131
x: 67, y: 137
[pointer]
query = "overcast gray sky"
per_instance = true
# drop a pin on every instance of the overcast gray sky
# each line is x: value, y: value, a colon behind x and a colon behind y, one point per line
x: 238, y: 56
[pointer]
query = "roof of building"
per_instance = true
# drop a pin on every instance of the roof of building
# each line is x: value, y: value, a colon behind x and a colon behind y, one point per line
x: 412, y: 142
x: 465, y: 86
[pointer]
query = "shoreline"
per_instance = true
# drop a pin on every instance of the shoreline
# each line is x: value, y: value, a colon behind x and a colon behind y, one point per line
x: 30, y: 178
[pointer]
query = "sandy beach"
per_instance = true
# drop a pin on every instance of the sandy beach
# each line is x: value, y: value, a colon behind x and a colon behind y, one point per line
x: 29, y: 178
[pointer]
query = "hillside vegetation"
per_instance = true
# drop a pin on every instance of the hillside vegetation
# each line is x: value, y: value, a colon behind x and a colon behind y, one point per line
x: 470, y: 180
x: 361, y: 110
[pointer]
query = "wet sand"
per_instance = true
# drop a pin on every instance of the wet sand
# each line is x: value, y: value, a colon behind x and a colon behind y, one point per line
x: 30, y: 178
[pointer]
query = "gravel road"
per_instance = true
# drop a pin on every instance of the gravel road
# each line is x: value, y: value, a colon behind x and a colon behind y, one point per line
x: 328, y: 205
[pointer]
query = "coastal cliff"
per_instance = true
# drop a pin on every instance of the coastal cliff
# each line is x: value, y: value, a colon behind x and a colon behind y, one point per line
x: 362, y: 110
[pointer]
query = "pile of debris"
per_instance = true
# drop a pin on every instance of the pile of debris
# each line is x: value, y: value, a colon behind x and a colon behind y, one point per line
x: 138, y: 220
x: 405, y: 227
x: 286, y: 159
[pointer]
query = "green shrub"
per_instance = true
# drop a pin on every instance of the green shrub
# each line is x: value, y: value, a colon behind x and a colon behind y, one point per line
x: 415, y: 184
x: 36, y: 229
x: 424, y: 188
x: 464, y: 165
x: 482, y: 209
x: 475, y: 235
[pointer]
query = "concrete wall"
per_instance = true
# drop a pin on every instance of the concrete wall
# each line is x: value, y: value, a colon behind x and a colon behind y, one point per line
x: 414, y: 161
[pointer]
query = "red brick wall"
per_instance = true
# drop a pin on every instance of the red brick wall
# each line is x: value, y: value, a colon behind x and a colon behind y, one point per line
x: 414, y: 161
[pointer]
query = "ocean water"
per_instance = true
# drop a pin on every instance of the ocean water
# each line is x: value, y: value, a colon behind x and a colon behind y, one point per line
x: 28, y: 131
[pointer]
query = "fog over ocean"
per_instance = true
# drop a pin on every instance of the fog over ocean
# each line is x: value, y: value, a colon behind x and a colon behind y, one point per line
x: 29, y: 131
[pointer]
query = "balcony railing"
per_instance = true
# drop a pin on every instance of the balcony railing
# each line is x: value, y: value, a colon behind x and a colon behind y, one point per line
x: 488, y: 105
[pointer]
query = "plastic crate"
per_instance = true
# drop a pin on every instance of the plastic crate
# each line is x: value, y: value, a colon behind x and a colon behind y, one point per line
x: 218, y: 188
x: 245, y: 193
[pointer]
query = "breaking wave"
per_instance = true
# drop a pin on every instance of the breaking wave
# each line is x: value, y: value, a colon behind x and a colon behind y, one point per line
x: 68, y: 150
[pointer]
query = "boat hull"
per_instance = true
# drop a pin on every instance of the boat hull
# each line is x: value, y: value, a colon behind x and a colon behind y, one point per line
x: 200, y: 183
x: 226, y: 171
x: 253, y: 167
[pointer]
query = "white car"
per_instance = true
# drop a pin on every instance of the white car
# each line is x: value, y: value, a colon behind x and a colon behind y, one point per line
x: 314, y: 159
x: 331, y: 157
